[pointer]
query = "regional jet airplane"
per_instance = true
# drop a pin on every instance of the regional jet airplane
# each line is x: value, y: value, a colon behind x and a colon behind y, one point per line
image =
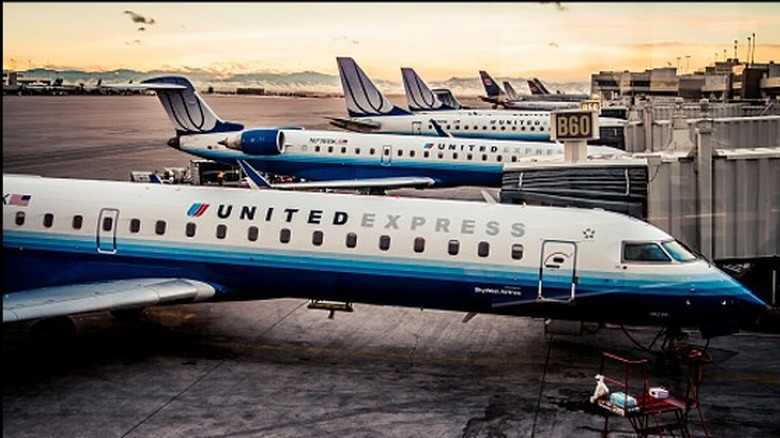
x: 512, y: 100
x: 72, y: 246
x: 370, y: 111
x: 337, y: 159
x: 540, y: 91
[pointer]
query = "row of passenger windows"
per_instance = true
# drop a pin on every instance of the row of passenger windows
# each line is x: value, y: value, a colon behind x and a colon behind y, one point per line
x: 427, y: 154
x: 285, y: 235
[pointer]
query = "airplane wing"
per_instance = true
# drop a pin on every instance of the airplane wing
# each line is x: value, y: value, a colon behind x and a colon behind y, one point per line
x: 356, y: 125
x: 257, y: 181
x: 108, y: 295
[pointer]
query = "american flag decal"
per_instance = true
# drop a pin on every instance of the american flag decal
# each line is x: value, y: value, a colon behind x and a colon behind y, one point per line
x: 20, y: 200
x: 197, y: 209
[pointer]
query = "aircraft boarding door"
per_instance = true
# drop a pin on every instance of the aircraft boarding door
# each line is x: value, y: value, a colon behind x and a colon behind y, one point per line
x: 106, y: 234
x: 387, y: 155
x: 557, y: 273
x: 416, y: 127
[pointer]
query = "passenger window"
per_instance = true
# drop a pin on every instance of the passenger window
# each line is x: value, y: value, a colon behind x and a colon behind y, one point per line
x: 19, y: 218
x: 517, y: 251
x: 330, y: 149
x: 351, y: 240
x: 189, y: 229
x: 108, y: 223
x: 221, y: 231
x: 453, y: 247
x: 483, y: 249
x: 78, y: 221
x: 411, y: 153
x: 419, y: 244
x: 317, y: 238
x: 644, y: 252
x: 384, y: 242
x: 316, y: 148
x: 284, y: 235
x: 357, y: 151
x: 159, y: 228
x: 371, y: 151
x: 426, y: 154
x: 343, y: 150
x: 135, y: 225
x: 252, y: 233
x: 48, y: 220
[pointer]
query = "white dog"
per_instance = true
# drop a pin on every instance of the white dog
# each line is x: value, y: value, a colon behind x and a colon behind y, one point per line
x: 601, y: 389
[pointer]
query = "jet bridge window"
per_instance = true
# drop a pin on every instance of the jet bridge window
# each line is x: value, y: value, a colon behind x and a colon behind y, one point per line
x: 48, y: 220
x: 135, y: 225
x: 189, y: 229
x: 159, y: 228
x: 78, y: 220
x: 644, y: 252
x: 19, y: 218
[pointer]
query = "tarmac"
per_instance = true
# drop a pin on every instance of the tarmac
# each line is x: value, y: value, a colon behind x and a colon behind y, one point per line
x: 277, y: 369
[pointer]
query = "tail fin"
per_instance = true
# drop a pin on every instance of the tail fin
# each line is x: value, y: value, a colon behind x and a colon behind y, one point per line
x: 511, y: 94
x: 187, y: 110
x: 537, y: 87
x: 418, y: 96
x: 491, y: 88
x: 446, y: 97
x: 362, y: 96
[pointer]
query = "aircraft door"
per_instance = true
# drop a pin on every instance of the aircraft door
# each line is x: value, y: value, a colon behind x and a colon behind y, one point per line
x: 387, y: 155
x: 416, y: 127
x: 106, y: 233
x: 558, y: 271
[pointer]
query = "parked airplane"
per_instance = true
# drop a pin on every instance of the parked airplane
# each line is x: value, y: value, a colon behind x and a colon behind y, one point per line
x: 338, y: 159
x: 370, y: 111
x: 512, y: 100
x: 72, y: 246
x: 540, y: 91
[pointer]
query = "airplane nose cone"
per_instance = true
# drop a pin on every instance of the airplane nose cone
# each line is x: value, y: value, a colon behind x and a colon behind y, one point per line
x: 174, y: 143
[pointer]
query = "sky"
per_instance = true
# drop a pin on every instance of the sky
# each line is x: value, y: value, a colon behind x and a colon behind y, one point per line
x: 554, y: 41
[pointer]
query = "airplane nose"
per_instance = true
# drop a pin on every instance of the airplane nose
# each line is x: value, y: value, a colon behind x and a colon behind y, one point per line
x: 174, y: 143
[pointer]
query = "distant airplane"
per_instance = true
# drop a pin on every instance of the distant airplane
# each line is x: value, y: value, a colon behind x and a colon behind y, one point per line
x: 338, y: 159
x: 512, y: 100
x: 73, y: 246
x: 370, y: 111
x: 540, y: 91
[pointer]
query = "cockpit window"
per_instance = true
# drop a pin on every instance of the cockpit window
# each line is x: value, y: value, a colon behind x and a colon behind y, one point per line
x: 678, y: 251
x: 644, y: 252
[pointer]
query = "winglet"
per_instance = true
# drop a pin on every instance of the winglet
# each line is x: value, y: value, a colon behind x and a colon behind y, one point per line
x: 256, y: 181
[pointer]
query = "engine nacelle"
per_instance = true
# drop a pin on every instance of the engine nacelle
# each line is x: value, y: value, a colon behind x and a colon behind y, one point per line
x: 258, y: 142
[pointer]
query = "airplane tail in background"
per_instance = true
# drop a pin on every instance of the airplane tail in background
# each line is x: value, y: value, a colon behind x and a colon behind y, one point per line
x: 188, y: 112
x: 537, y: 87
x: 492, y: 90
x: 511, y: 94
x: 362, y: 96
x: 419, y: 96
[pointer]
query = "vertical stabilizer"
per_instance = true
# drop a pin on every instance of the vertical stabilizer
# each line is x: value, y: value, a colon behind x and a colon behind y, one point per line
x: 491, y: 88
x: 511, y: 94
x: 537, y: 87
x: 362, y: 96
x: 188, y: 112
x: 419, y: 96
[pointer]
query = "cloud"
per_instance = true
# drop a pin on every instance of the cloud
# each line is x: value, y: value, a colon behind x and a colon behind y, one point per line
x: 138, y: 18
x: 553, y: 45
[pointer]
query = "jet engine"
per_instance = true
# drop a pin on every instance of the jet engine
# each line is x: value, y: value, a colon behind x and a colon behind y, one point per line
x: 257, y: 142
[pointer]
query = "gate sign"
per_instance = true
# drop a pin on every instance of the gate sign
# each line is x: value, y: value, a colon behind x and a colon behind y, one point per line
x: 591, y: 105
x: 574, y: 125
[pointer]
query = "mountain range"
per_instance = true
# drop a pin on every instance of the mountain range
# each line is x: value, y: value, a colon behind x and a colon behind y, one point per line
x: 309, y: 81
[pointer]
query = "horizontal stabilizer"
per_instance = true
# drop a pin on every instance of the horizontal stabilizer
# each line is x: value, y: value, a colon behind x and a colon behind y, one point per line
x: 356, y: 125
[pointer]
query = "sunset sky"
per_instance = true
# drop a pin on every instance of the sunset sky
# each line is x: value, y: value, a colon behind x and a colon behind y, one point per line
x: 554, y: 41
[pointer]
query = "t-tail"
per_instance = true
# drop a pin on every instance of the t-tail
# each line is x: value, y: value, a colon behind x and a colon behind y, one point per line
x: 188, y: 112
x: 419, y: 96
x: 511, y: 94
x: 362, y: 96
x: 537, y: 87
